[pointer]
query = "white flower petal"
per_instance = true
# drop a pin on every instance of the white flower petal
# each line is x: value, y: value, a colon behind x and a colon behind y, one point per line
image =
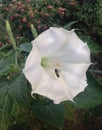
x: 71, y: 82
x: 66, y: 59
x: 75, y: 76
x: 50, y: 41
x: 70, y: 53
x: 53, y: 88
x: 32, y: 68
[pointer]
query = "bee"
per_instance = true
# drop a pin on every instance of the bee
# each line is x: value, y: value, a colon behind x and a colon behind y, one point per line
x: 57, y: 73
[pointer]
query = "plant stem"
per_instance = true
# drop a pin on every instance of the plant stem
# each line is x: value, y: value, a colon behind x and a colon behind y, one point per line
x: 16, y: 60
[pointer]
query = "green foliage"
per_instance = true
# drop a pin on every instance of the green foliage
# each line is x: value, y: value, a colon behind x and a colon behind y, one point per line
x: 92, y: 96
x: 19, y: 89
x: 49, y: 112
x: 6, y: 63
x: 69, y: 25
x: 12, y: 90
x: 26, y: 47
x: 94, y: 47
x: 5, y: 104
x: 15, y: 94
x: 98, y: 20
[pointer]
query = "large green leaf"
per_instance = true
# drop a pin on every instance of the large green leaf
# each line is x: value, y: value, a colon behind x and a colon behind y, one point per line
x: 50, y: 113
x: 6, y: 103
x: 92, y: 96
x: 26, y: 47
x: 15, y: 111
x: 6, y: 63
x: 18, y: 89
x: 11, y: 90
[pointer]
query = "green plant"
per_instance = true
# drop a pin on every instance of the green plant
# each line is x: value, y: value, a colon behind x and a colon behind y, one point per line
x: 18, y: 110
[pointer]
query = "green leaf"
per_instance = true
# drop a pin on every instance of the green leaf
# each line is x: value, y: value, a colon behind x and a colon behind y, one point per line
x: 96, y: 71
x: 95, y: 48
x: 26, y: 47
x: 15, y: 110
x: 5, y: 47
x: 6, y: 63
x: 51, y: 113
x: 18, y: 89
x: 6, y: 103
x: 10, y: 90
x: 69, y: 25
x: 92, y: 95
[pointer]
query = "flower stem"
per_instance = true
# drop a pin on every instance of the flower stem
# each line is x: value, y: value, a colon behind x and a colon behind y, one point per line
x: 16, y: 60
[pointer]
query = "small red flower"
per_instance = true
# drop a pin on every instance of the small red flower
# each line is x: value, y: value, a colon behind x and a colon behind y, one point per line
x: 61, y: 10
x: 24, y: 20
x: 17, y: 15
x: 28, y: 1
x: 47, y: 14
x: 14, y: 1
x: 49, y: 6
x: 72, y: 2
x: 17, y: 37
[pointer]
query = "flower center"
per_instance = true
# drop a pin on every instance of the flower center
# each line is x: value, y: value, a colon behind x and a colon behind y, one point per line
x: 51, y: 66
x: 45, y: 63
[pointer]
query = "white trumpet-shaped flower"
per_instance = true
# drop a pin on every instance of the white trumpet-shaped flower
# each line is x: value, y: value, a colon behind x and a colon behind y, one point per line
x: 57, y: 64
